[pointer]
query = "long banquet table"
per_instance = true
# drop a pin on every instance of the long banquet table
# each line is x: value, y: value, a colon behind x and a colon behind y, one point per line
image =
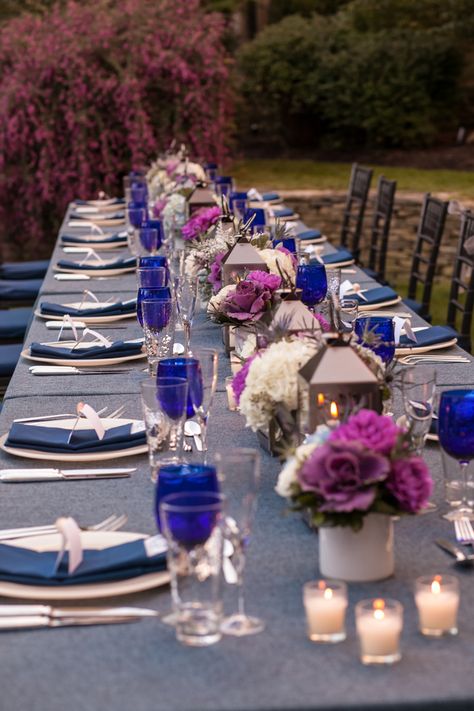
x: 141, y: 666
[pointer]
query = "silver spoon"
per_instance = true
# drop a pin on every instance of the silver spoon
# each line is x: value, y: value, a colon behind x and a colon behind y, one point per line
x: 193, y: 429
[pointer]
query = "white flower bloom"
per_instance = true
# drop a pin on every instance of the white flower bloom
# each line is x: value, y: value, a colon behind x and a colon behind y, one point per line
x: 289, y: 473
x: 278, y: 263
x: 217, y: 300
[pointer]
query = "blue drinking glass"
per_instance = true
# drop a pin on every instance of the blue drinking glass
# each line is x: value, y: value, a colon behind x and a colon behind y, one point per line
x: 377, y: 333
x: 156, y: 225
x: 223, y: 185
x: 137, y: 214
x: 171, y: 397
x: 456, y: 437
x: 156, y: 314
x: 288, y: 243
x: 150, y: 277
x: 156, y: 293
x: 190, y: 369
x: 149, y: 239
x: 190, y: 518
x: 139, y: 192
x: 211, y: 171
x: 312, y: 280
x: 183, y: 479
x: 259, y: 220
x: 157, y: 260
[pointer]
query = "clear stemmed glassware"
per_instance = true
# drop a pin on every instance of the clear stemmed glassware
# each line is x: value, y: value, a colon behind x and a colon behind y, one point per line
x: 419, y: 396
x: 158, y: 326
x: 456, y: 437
x: 186, y: 296
x: 202, y: 394
x: 239, y: 472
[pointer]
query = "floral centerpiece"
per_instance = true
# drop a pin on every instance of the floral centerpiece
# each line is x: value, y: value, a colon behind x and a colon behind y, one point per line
x: 246, y: 301
x: 200, y: 222
x: 356, y: 476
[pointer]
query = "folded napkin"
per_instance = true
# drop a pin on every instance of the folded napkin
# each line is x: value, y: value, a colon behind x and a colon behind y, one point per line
x: 116, y: 350
x: 375, y: 296
x: 270, y: 196
x: 429, y: 337
x: 90, y: 217
x: 115, y: 201
x: 128, y: 560
x: 70, y: 239
x: 339, y: 257
x: 115, y: 309
x: 24, y: 270
x: 55, y: 439
x: 283, y: 212
x: 117, y: 264
x: 309, y: 234
x: 20, y: 290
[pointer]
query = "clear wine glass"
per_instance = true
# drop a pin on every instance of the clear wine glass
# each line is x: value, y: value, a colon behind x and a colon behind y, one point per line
x: 186, y: 297
x: 239, y: 473
x: 202, y: 396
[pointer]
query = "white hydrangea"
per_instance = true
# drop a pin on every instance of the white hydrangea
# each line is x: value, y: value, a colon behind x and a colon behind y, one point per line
x: 272, y: 379
x: 217, y: 300
x: 273, y: 258
x: 289, y: 474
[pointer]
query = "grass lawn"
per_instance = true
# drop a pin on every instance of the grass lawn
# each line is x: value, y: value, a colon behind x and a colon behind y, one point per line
x: 312, y: 175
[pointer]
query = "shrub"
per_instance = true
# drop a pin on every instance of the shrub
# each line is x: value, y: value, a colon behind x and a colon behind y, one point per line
x: 91, y: 88
x: 393, y: 88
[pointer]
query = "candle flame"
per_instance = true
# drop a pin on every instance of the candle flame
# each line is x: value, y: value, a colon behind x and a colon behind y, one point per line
x: 379, y: 614
x: 328, y: 594
x: 435, y: 586
x: 321, y: 585
x: 379, y: 606
x: 334, y: 410
x: 320, y: 399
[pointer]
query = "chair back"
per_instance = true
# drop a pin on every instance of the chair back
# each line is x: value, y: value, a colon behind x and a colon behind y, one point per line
x: 428, y: 239
x: 461, y: 297
x: 353, y: 217
x: 381, y: 226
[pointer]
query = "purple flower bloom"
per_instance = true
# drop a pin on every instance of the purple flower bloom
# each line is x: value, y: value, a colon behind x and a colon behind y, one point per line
x: 159, y: 206
x: 240, y: 378
x: 410, y: 483
x: 200, y: 222
x: 322, y: 322
x: 343, y: 475
x: 369, y: 429
x: 215, y: 276
x: 271, y: 281
x: 248, y: 301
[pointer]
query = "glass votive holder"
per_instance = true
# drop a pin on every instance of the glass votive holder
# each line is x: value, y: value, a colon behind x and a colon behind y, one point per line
x: 325, y: 603
x: 333, y: 275
x: 231, y: 401
x: 437, y: 601
x: 379, y: 625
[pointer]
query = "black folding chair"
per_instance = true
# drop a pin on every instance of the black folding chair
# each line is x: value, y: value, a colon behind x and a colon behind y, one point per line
x: 381, y: 228
x: 353, y: 217
x: 429, y: 234
x: 461, y: 297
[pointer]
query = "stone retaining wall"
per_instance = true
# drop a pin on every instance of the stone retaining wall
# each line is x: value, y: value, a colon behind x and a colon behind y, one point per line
x: 323, y: 210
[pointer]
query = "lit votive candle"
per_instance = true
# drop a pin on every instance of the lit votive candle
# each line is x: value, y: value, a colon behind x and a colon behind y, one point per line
x: 437, y: 600
x: 325, y: 603
x: 231, y: 401
x: 379, y: 625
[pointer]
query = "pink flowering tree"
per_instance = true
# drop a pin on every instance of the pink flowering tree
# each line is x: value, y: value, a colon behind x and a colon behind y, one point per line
x: 92, y: 88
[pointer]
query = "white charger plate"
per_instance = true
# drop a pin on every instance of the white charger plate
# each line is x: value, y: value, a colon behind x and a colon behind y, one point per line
x: 93, y: 540
x: 75, y: 456
x: 381, y: 305
x: 86, y: 319
x: 107, y: 222
x: 95, y: 272
x: 315, y: 240
x: 413, y: 350
x: 336, y: 265
x: 81, y: 362
x: 97, y: 246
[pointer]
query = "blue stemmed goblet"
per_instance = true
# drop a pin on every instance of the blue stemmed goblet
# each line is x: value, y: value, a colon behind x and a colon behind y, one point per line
x: 456, y: 437
x: 182, y: 479
x: 157, y: 293
x: 377, y: 333
x: 149, y: 277
x: 312, y: 280
x: 149, y: 239
x: 189, y: 368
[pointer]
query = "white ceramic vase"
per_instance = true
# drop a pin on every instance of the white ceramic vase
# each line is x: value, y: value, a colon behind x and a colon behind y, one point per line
x: 359, y: 557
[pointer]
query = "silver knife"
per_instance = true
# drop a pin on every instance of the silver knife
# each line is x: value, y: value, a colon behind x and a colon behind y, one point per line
x: 70, y: 612
x: 10, y: 476
x: 39, y: 621
x: 455, y: 551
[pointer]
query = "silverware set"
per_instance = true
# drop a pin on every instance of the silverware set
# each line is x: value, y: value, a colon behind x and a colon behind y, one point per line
x: 464, y: 533
x: 14, y: 617
x: 432, y: 358
x: 48, y: 370
x: 111, y: 523
x: 115, y: 414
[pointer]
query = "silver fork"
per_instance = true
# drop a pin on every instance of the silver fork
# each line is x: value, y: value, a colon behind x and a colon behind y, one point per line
x: 111, y: 523
x: 464, y: 531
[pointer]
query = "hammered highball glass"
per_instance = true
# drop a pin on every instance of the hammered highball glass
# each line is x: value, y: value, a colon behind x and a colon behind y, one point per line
x: 159, y: 327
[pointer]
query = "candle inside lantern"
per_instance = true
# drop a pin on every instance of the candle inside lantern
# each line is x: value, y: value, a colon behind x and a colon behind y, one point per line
x: 325, y: 604
x: 437, y: 601
x: 379, y: 624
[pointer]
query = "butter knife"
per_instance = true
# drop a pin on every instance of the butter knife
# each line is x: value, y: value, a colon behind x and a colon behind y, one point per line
x: 39, y: 621
x: 9, y: 476
x: 70, y: 612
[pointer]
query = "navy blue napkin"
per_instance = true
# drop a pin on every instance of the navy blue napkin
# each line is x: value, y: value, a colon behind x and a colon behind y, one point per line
x: 120, y: 307
x: 116, y: 350
x: 429, y: 337
x: 270, y: 196
x: 117, y: 264
x: 89, y: 216
x: 378, y: 295
x: 339, y: 257
x: 309, y: 234
x: 128, y: 560
x: 283, y: 212
x: 70, y: 239
x: 55, y: 439
x: 115, y: 201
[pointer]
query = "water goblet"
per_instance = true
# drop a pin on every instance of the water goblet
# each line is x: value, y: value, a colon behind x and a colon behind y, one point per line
x: 139, y: 192
x: 152, y: 277
x: 186, y: 297
x: 188, y: 368
x: 183, y: 478
x: 158, y: 293
x: 211, y: 171
x: 203, y: 388
x: 377, y: 334
x: 223, y: 184
x: 149, y: 239
x: 456, y: 437
x: 158, y: 326
x: 137, y: 215
x: 312, y: 280
x: 192, y: 524
x: 164, y: 410
x: 156, y: 225
x: 239, y: 474
x: 259, y: 218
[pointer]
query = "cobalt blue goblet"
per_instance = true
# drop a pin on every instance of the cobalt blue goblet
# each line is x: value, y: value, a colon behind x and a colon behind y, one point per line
x: 149, y: 277
x: 189, y: 368
x: 156, y: 293
x: 156, y: 225
x: 183, y: 479
x: 456, y: 436
x: 377, y: 333
x: 149, y: 238
x: 312, y: 280
x: 260, y: 219
x: 190, y: 518
x: 137, y: 214
x: 288, y: 243
x: 211, y: 171
x: 223, y: 185
x: 139, y: 192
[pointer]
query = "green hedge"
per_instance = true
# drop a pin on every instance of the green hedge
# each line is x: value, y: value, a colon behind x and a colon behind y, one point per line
x: 321, y: 80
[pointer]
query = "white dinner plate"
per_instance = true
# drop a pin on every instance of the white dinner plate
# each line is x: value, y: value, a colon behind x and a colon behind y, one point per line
x: 97, y: 246
x: 81, y: 362
x: 315, y: 240
x: 375, y: 307
x: 92, y: 540
x: 67, y: 423
x: 413, y: 350
x: 336, y: 265
x: 86, y: 319
x: 107, y: 222
x: 95, y: 272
